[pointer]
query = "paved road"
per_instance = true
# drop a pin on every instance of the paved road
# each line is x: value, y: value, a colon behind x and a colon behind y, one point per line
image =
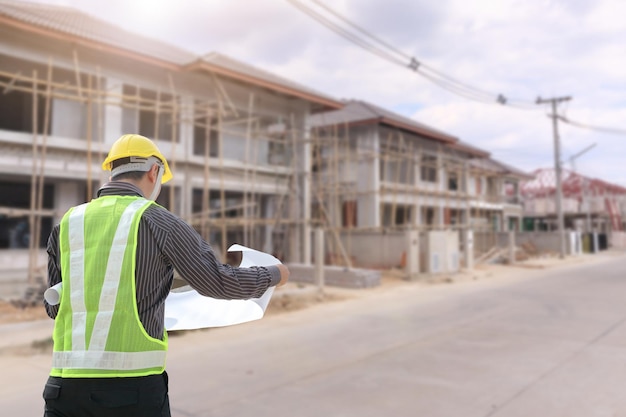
x: 542, y: 343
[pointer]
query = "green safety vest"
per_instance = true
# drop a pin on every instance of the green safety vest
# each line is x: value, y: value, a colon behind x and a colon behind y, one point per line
x: 97, y: 331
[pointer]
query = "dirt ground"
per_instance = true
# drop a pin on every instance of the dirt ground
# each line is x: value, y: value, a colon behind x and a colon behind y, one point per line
x: 291, y: 298
x: 295, y: 296
x: 11, y: 314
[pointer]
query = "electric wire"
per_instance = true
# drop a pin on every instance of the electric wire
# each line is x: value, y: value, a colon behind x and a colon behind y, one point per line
x: 396, y: 56
x: 602, y: 129
x: 344, y: 33
x: 457, y: 87
x: 363, y: 31
x: 413, y: 62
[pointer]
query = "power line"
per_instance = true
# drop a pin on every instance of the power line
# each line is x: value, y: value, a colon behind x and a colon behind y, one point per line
x: 611, y: 130
x: 412, y: 63
x: 404, y: 56
x: 375, y: 45
x: 344, y: 33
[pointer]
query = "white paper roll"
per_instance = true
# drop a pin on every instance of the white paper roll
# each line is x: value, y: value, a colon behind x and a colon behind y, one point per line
x: 53, y: 294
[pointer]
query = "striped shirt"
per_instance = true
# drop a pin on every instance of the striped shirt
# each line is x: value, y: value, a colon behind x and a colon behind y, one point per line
x: 164, y: 243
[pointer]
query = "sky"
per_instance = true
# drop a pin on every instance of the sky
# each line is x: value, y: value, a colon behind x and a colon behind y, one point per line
x: 522, y: 49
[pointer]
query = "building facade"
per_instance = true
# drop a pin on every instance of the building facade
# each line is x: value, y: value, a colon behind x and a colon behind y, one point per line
x: 235, y: 136
x: 377, y: 173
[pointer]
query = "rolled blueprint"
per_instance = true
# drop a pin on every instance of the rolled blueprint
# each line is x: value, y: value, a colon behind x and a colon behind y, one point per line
x: 53, y: 294
x: 190, y: 310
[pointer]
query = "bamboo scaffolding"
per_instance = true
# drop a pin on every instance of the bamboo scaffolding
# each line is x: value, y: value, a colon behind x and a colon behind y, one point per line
x: 222, y: 191
x: 88, y: 89
x: 89, y: 140
x: 77, y: 74
x: 100, y: 121
x: 172, y: 189
x: 32, y: 245
x: 246, y: 227
x: 205, y: 189
x: 8, y: 87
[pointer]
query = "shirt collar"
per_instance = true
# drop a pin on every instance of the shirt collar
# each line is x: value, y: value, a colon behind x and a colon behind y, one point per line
x: 119, y: 188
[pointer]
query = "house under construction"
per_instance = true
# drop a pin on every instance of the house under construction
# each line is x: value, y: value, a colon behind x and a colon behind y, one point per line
x: 378, y: 174
x: 589, y: 205
x: 257, y: 159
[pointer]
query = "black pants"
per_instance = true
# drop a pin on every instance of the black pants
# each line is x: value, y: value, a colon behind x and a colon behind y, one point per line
x: 119, y: 397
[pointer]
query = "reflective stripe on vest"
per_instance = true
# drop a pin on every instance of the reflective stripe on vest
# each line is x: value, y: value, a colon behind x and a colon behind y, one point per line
x: 90, y: 353
x: 108, y: 360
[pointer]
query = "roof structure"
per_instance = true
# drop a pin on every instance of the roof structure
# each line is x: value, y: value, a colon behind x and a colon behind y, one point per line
x: 573, y: 184
x: 359, y: 112
x: 73, y: 25
x: 72, y: 22
x: 466, y: 147
x: 221, y: 64
x: 492, y: 165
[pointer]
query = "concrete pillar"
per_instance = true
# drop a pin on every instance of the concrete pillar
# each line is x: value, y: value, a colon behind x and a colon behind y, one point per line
x: 468, y: 245
x: 299, y: 241
x: 306, y: 191
x: 578, y: 237
x: 66, y: 194
x: 368, y: 181
x: 441, y: 177
x: 440, y: 216
x: 468, y: 189
x: 412, y: 254
x: 511, y: 247
x: 183, y: 173
x: 115, y: 123
x: 417, y: 219
x: 319, y: 258
x: 270, y: 208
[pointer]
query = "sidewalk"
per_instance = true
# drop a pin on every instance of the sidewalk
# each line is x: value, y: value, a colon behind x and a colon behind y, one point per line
x: 20, y: 334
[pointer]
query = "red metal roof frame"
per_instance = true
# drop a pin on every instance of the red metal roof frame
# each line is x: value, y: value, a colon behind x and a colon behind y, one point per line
x: 573, y: 184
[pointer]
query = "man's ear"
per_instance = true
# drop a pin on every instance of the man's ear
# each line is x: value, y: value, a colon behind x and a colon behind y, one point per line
x: 153, y: 173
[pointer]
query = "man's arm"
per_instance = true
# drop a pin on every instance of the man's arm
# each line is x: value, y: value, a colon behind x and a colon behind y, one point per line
x: 54, y: 268
x: 197, y: 264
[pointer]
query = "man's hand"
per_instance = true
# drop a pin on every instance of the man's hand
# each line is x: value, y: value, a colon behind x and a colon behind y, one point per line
x: 284, y: 274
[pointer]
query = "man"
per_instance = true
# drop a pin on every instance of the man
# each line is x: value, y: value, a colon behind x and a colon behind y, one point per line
x: 115, y: 256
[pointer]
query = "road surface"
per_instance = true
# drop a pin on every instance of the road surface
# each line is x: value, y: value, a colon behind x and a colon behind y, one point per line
x: 535, y: 343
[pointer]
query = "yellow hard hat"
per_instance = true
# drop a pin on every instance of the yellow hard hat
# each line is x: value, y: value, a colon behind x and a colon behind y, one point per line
x: 136, y: 145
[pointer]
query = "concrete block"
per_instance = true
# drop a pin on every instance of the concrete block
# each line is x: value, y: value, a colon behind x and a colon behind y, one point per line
x: 337, y: 276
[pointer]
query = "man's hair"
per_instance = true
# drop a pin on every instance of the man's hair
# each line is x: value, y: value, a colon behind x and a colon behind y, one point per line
x: 131, y: 175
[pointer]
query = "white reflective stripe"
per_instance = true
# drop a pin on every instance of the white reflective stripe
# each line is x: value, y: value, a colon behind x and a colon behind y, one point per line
x: 110, y: 286
x: 124, y: 361
x: 76, y: 232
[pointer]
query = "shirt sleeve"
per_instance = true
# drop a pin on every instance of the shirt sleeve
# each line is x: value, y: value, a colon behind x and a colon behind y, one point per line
x: 196, y: 262
x: 54, y: 268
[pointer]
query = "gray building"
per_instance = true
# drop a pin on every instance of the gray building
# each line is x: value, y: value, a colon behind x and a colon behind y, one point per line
x: 378, y: 174
x: 236, y: 136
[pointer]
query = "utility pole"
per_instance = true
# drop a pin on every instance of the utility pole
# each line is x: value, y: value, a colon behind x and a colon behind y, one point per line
x: 557, y: 168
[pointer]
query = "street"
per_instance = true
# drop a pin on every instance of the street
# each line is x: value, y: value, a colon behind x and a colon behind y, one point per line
x: 535, y: 343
